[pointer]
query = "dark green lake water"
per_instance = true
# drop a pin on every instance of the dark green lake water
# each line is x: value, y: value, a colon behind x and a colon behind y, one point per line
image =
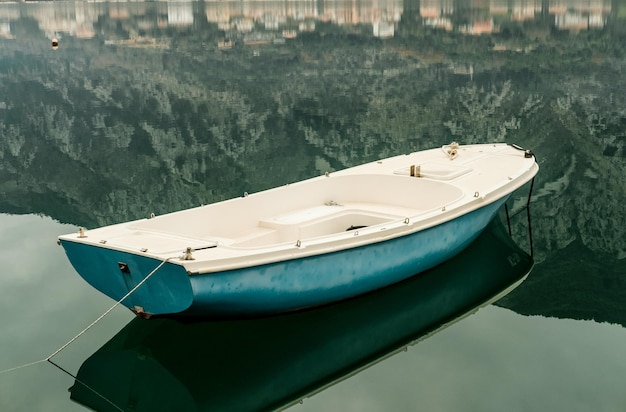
x: 154, y: 107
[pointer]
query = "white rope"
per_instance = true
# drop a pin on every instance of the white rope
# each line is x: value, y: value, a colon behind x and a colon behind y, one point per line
x: 86, y: 386
x: 109, y: 310
x: 68, y: 373
x: 22, y: 366
x: 451, y: 150
x: 56, y: 352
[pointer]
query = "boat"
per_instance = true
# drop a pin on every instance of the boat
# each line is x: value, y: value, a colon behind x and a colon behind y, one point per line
x: 270, y: 363
x: 308, y: 243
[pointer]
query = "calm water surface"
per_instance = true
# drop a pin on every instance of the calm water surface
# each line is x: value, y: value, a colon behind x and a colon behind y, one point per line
x: 157, y: 106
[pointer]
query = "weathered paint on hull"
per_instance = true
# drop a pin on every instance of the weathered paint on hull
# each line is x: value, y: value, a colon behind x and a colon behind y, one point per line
x: 167, y: 291
x: 277, y: 287
x: 316, y: 280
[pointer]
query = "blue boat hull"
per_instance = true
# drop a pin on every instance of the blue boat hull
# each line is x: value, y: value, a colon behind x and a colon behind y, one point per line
x: 281, y: 286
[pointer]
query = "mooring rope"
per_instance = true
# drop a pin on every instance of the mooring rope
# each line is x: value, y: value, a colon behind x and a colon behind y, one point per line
x: 527, y: 208
x: 109, y: 310
x: 85, y: 385
x: 22, y: 366
x: 82, y: 332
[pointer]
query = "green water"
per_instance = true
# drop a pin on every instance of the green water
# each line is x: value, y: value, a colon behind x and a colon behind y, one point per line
x: 139, y: 111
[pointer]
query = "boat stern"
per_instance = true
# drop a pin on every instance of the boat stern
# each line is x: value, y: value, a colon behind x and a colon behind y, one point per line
x: 115, y: 273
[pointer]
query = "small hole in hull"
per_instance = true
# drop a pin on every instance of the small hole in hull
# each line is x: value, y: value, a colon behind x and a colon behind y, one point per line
x: 123, y: 267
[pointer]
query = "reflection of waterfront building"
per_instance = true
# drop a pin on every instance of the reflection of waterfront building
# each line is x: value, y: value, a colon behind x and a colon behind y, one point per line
x: 526, y: 10
x: 436, y: 13
x: 5, y: 30
x: 179, y: 14
x: 479, y: 27
x: 432, y: 9
x: 580, y: 6
x: 571, y: 21
x: 383, y: 29
x: 518, y: 10
x: 580, y: 14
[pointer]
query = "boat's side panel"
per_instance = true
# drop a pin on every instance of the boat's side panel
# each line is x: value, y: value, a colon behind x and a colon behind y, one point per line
x: 166, y: 291
x: 321, y: 279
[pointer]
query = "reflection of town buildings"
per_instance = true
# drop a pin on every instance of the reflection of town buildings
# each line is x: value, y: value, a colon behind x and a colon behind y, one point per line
x: 286, y: 18
x: 244, y: 16
x: 179, y: 14
x: 78, y: 18
x: 75, y: 19
x: 568, y: 14
x: 579, y: 14
x: 516, y: 9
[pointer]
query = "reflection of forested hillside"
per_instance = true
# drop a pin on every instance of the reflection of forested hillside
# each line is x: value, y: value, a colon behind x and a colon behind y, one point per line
x: 95, y: 134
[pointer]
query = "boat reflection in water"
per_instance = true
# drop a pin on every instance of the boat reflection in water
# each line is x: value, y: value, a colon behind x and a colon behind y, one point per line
x: 166, y: 364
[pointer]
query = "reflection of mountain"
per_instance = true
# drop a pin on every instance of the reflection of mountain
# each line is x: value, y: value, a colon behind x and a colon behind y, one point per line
x: 267, y: 363
x: 93, y: 134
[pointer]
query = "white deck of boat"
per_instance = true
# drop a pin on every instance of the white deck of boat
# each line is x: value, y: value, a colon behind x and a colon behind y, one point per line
x: 380, y: 195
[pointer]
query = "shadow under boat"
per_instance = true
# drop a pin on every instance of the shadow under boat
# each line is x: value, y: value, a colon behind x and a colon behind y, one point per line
x: 270, y: 363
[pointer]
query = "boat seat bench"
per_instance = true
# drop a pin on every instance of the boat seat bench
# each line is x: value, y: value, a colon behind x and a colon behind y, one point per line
x: 322, y: 213
x: 320, y: 221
